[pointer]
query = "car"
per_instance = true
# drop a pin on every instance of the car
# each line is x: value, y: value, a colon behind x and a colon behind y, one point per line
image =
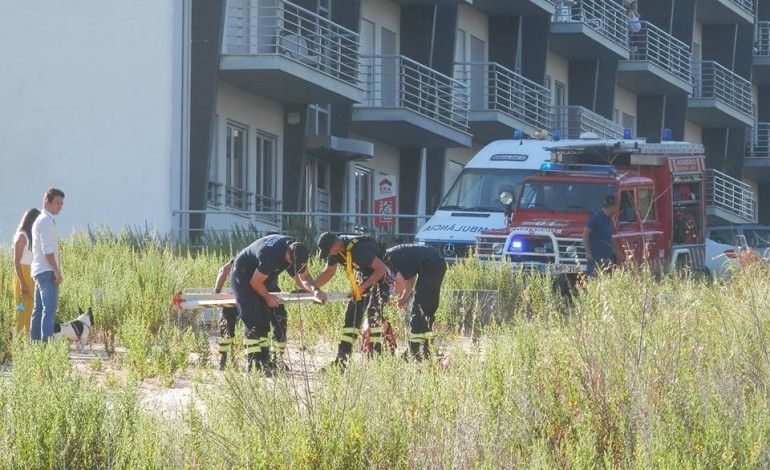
x: 756, y: 237
x: 721, y: 260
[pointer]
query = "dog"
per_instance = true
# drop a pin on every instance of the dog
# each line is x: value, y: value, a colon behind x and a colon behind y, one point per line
x: 76, y: 330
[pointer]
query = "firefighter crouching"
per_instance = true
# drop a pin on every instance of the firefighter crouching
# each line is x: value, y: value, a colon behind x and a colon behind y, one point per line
x: 255, y: 271
x: 418, y: 269
x: 363, y: 256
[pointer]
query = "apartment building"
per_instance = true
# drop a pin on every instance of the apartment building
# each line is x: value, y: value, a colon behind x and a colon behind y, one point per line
x: 241, y: 111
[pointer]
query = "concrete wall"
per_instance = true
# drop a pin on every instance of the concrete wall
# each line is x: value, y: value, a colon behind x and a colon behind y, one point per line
x: 90, y: 103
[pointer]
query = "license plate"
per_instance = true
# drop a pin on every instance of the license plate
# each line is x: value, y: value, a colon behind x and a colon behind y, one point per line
x: 555, y: 268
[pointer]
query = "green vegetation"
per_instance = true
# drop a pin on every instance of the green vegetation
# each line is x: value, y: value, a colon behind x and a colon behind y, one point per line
x: 632, y: 373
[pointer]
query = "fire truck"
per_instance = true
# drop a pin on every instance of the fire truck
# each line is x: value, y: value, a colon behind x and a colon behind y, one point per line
x: 661, y: 218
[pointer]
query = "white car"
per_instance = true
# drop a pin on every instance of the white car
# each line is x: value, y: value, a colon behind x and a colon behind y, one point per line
x: 721, y: 260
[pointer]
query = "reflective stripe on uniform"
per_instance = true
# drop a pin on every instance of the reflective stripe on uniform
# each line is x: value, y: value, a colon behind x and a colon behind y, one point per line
x: 252, y: 346
x: 279, y: 346
x: 375, y: 339
x: 375, y: 329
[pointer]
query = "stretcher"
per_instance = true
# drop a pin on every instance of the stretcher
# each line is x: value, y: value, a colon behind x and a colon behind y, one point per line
x: 192, y: 299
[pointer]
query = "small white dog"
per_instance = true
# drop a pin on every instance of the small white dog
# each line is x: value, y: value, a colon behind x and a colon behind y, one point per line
x: 76, y: 330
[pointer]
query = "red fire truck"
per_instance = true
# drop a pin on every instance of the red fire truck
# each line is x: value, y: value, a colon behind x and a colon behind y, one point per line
x: 660, y: 189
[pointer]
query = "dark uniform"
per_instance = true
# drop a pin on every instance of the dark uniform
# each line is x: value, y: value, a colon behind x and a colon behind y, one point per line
x: 268, y: 256
x: 363, y: 251
x: 429, y: 266
x: 229, y: 320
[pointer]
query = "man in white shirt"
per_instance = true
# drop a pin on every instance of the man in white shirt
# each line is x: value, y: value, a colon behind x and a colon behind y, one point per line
x: 45, y: 266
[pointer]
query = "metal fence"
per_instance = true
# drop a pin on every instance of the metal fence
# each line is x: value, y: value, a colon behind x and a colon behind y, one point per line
x: 730, y: 195
x: 758, y: 145
x: 493, y: 87
x: 394, y: 227
x: 572, y: 121
x: 762, y: 39
x: 395, y: 81
x: 660, y: 48
x: 277, y: 27
x: 711, y: 80
x: 605, y: 17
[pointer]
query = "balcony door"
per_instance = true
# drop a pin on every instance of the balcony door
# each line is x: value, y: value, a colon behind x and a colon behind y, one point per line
x: 388, y: 49
x: 367, y: 66
x: 478, y: 83
x: 318, y: 197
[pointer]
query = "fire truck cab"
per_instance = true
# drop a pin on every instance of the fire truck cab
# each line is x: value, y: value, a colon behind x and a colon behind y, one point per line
x: 661, y: 217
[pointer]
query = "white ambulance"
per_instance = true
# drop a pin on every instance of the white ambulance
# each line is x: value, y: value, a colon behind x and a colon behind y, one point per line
x: 472, y: 204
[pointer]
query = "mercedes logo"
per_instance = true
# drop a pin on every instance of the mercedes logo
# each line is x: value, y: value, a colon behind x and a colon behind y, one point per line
x: 449, y: 249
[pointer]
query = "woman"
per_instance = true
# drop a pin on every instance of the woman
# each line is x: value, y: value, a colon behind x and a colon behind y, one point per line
x: 24, y: 286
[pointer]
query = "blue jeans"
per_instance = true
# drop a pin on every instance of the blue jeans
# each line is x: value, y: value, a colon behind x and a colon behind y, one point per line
x: 46, y: 304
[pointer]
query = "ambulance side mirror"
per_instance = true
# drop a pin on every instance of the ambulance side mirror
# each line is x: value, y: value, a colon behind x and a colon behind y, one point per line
x: 507, y: 199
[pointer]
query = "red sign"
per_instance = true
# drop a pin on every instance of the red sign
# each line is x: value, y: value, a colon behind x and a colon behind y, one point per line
x: 385, y: 202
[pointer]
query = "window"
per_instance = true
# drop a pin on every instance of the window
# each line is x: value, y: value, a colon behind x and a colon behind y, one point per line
x: 318, y: 119
x: 363, y: 188
x: 629, y: 122
x: 214, y: 195
x: 627, y: 212
x: 646, y: 205
x: 266, y: 176
x: 237, y: 193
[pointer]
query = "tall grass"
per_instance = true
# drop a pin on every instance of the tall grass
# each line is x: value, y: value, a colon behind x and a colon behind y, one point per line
x: 632, y: 372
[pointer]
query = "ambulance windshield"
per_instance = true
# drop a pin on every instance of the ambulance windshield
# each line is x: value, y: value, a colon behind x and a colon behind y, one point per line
x: 478, y: 189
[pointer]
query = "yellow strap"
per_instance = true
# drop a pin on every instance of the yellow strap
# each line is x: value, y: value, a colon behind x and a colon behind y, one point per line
x: 352, y: 276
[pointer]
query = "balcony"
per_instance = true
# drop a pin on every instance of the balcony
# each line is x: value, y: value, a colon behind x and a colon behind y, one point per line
x: 279, y: 50
x: 720, y: 97
x: 761, y: 73
x: 757, y: 160
x: 589, y: 30
x: 724, y: 11
x: 729, y: 200
x: 659, y: 64
x: 571, y: 121
x: 502, y: 100
x: 410, y: 105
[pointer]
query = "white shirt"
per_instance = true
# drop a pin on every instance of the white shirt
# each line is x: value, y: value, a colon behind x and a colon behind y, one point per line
x: 26, y: 254
x: 45, y: 240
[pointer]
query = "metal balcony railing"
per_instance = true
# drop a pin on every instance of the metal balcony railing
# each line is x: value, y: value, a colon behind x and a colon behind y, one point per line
x: 214, y: 194
x: 730, y: 195
x: 758, y: 145
x: 278, y: 27
x: 605, y: 17
x: 395, y: 81
x: 571, y: 121
x: 711, y: 80
x: 660, y: 48
x: 496, y: 88
x: 762, y: 39
x: 745, y: 5
x: 238, y: 198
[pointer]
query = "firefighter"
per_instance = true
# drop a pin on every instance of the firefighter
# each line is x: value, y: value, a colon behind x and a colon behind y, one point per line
x: 363, y: 260
x: 229, y: 320
x: 420, y: 270
x: 255, y: 270
x: 601, y: 253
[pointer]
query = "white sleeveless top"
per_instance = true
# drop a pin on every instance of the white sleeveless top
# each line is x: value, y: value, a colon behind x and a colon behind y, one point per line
x: 26, y: 256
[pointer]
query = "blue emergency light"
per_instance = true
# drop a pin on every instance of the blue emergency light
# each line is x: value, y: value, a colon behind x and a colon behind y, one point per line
x: 572, y: 167
x: 628, y: 133
x: 517, y: 134
x: 555, y: 134
x: 666, y: 134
